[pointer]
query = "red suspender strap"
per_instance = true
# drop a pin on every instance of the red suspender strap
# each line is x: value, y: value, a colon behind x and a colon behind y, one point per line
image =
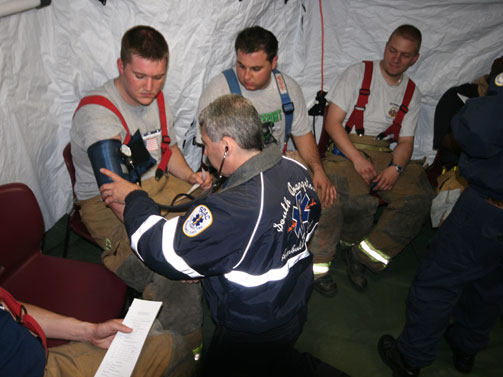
x: 356, y: 117
x: 22, y: 316
x: 404, y: 109
x: 105, y: 102
x: 166, y: 140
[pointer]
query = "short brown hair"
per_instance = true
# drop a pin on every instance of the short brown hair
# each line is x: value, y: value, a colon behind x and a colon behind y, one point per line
x: 256, y: 38
x: 145, y: 42
x: 409, y: 32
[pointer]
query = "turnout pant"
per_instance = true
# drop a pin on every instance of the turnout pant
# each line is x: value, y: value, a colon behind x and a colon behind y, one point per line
x: 167, y: 354
x: 461, y: 276
x: 326, y: 237
x: 408, y: 204
x: 182, y: 302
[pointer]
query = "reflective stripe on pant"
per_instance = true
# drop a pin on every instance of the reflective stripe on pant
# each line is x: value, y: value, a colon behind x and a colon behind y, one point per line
x: 375, y: 255
x: 408, y: 203
x: 320, y: 269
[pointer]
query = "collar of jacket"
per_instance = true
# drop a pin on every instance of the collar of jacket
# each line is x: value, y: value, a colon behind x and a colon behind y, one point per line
x: 266, y: 159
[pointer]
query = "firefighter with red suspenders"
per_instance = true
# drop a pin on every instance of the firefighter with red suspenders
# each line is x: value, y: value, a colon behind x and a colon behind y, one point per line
x: 126, y: 126
x: 371, y: 119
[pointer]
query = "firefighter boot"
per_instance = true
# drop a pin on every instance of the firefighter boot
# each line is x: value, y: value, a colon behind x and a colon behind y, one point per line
x: 355, y: 269
x: 326, y: 285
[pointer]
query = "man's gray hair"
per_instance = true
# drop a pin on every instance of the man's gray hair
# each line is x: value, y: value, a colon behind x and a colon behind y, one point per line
x: 234, y: 116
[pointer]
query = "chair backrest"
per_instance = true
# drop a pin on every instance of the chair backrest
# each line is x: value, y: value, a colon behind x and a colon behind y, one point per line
x: 67, y: 156
x: 21, y: 227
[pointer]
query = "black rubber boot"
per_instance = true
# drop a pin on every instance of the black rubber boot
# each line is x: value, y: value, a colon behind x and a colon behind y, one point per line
x: 355, y: 270
x: 326, y: 285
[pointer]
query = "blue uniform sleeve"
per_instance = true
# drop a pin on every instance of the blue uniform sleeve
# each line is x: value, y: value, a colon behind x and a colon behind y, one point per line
x: 146, y: 229
x: 214, y: 235
x: 209, y: 240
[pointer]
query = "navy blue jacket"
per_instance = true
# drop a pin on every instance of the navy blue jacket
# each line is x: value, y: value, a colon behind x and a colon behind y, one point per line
x: 249, y: 242
x: 478, y: 128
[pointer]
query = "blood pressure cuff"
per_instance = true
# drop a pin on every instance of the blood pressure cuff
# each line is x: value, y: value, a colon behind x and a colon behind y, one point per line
x: 130, y: 165
x: 142, y: 160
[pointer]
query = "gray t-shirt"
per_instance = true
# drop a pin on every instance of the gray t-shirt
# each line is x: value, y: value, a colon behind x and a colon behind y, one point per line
x: 94, y: 123
x: 384, y: 100
x: 267, y: 101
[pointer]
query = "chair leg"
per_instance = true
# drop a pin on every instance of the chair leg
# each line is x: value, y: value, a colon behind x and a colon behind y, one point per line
x: 67, y: 237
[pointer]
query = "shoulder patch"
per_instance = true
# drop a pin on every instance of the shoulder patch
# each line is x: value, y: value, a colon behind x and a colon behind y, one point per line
x: 499, y: 80
x: 198, y: 221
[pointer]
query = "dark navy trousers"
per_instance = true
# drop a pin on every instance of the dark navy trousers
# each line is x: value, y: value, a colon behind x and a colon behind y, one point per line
x: 462, y: 276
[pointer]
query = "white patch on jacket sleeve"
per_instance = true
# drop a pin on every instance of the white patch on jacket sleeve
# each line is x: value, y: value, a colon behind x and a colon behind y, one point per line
x: 198, y: 221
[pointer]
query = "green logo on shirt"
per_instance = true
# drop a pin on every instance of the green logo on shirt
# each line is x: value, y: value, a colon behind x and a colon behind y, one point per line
x: 272, y: 117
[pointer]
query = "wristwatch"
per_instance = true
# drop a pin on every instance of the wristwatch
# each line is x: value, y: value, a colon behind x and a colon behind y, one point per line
x: 399, y: 168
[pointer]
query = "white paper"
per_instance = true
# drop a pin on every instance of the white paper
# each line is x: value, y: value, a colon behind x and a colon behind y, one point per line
x: 121, y: 357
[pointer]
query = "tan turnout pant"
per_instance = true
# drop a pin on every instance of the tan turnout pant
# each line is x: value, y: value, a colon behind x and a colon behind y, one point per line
x: 408, y: 204
x: 182, y: 302
x: 167, y: 354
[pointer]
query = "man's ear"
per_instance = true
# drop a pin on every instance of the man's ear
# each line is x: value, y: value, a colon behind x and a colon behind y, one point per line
x: 120, y: 66
x: 414, y: 59
x: 229, y: 144
x: 274, y: 62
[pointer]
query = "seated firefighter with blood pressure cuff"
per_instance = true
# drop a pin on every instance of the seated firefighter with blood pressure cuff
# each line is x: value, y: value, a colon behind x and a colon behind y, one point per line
x: 126, y: 126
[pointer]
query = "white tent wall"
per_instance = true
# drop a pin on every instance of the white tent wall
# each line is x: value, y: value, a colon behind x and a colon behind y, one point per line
x: 53, y: 56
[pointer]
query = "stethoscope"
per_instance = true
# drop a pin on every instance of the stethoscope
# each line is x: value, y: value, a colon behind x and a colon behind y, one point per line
x: 185, y: 206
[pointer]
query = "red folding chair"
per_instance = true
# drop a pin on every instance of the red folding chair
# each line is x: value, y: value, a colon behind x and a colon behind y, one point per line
x: 84, y: 290
x: 74, y: 222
